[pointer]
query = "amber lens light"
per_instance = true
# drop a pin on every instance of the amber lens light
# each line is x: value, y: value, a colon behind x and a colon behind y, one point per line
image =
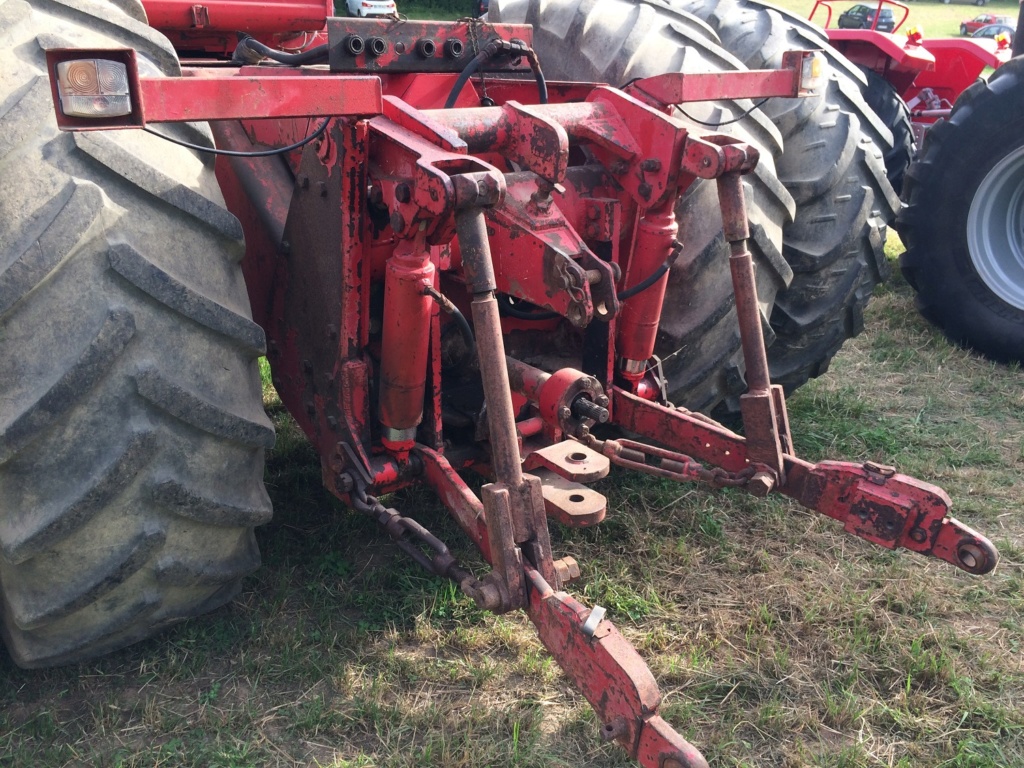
x: 93, y: 88
x: 812, y: 72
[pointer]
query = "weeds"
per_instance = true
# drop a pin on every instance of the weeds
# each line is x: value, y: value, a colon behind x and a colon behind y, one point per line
x: 777, y: 640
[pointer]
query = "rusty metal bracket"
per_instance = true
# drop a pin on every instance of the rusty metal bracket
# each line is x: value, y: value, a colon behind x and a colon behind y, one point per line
x: 611, y: 675
x: 570, y: 459
x: 571, y: 504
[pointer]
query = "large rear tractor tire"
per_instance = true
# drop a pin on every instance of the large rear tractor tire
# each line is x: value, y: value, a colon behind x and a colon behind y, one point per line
x: 964, y: 221
x: 616, y: 41
x: 890, y: 107
x: 833, y: 165
x: 131, y: 424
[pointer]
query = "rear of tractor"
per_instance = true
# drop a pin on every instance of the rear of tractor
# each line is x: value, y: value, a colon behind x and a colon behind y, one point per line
x: 454, y: 265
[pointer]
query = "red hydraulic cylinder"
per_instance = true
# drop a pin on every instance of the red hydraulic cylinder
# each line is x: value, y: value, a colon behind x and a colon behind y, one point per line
x: 405, y: 343
x: 640, y: 314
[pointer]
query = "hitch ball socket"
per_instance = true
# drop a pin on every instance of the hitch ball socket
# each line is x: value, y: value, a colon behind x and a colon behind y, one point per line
x: 377, y: 46
x: 354, y: 45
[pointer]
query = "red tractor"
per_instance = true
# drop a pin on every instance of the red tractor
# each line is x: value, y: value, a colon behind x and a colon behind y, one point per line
x: 961, y: 224
x: 452, y: 263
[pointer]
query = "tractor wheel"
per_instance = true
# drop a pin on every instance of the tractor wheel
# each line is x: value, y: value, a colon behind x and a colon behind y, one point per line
x: 962, y: 224
x: 887, y: 104
x: 833, y: 166
x: 616, y: 41
x: 131, y: 424
x: 963, y: 30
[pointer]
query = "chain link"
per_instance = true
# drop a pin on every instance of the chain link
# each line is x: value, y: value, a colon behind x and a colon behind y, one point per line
x: 412, y: 538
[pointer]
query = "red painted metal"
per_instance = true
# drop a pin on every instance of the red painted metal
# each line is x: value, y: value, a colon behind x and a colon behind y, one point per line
x: 200, y: 95
x: 268, y: 17
x: 679, y: 87
x: 211, y: 27
x: 638, y: 323
x: 346, y: 234
x: 611, y: 675
x: 405, y: 342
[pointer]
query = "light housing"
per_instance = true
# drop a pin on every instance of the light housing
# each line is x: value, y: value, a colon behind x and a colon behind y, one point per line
x: 813, y: 71
x: 93, y: 88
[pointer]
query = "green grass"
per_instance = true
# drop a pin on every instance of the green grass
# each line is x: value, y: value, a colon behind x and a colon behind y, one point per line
x: 776, y: 639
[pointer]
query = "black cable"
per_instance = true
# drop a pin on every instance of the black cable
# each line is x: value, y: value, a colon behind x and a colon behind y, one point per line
x: 250, y: 51
x: 538, y: 74
x: 759, y: 104
x: 490, y: 50
x: 465, y: 74
x: 646, y: 283
x: 464, y: 329
x: 233, y: 153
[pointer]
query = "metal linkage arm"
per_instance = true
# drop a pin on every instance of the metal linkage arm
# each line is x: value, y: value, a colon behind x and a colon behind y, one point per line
x: 875, y: 503
x: 610, y: 674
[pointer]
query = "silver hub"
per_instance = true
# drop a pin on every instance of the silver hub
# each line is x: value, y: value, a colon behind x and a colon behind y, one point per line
x: 995, y: 229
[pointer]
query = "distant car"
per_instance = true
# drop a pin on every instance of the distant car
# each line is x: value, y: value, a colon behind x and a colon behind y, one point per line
x: 371, y: 7
x: 863, y: 17
x: 994, y: 30
x: 482, y: 6
x: 971, y: 26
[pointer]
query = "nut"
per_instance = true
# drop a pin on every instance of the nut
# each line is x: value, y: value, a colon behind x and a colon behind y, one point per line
x: 761, y: 484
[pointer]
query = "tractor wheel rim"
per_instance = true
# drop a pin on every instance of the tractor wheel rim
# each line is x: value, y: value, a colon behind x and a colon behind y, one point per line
x: 995, y: 229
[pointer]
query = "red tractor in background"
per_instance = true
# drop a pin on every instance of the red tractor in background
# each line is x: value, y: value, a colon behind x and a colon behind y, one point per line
x: 453, y: 262
x: 961, y: 226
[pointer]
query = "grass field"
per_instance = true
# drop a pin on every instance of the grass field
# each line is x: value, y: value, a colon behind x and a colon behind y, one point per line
x: 777, y: 640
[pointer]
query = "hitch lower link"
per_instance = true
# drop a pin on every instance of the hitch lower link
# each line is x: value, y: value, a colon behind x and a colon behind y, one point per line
x: 602, y: 664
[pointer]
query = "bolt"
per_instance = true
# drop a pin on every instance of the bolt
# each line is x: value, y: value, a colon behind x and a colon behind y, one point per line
x: 564, y: 413
x: 593, y: 212
x: 619, y: 167
x: 344, y: 480
x: 919, y: 535
x: 651, y: 164
x: 645, y: 190
x: 602, y: 400
x: 761, y: 484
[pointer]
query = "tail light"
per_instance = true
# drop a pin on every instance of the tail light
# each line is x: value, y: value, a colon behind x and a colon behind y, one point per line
x: 93, y: 88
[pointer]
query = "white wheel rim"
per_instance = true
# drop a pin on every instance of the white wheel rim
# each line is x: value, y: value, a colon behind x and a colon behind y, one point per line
x: 995, y: 229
